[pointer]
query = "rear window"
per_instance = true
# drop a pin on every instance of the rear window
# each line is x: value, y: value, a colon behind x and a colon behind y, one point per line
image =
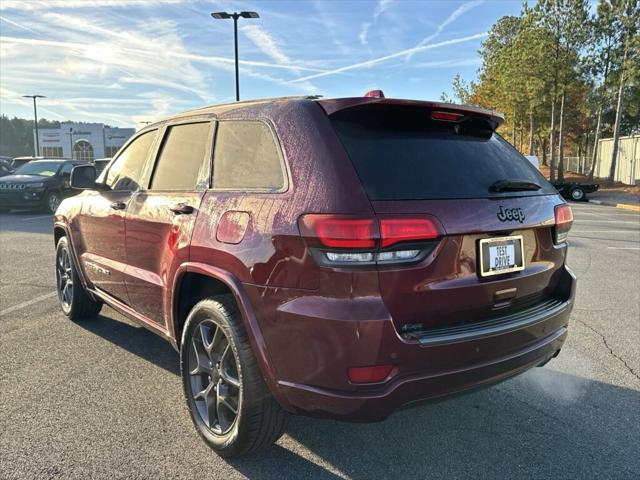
x: 246, y: 158
x: 399, y: 153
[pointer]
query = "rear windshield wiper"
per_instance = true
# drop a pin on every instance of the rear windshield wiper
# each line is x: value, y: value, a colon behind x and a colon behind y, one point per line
x: 513, y: 186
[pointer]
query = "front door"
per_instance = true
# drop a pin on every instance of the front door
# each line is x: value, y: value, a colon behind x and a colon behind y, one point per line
x: 101, y: 244
x: 160, y: 220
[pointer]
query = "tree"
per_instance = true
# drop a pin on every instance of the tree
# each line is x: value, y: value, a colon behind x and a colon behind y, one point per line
x: 16, y: 135
x: 629, y: 20
x: 563, y: 23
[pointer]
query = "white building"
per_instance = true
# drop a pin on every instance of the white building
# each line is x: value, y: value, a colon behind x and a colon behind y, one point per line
x: 82, y: 141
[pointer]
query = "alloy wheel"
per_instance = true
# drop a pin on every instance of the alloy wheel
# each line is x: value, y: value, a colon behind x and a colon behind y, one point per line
x: 213, y: 377
x: 64, y: 276
x: 577, y: 194
x: 53, y: 202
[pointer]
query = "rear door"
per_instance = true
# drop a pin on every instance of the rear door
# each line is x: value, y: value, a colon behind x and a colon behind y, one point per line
x: 454, y: 169
x: 101, y: 242
x: 160, y: 219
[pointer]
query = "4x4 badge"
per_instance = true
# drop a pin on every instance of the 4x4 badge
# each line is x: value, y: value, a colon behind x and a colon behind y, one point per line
x: 505, y: 214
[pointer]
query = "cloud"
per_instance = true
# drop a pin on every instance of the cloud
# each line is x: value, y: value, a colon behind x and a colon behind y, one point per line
x: 465, y: 62
x: 16, y: 24
x: 375, y: 61
x: 41, y: 5
x: 266, y: 43
x: 457, y: 13
x: 364, y: 32
x: 381, y: 7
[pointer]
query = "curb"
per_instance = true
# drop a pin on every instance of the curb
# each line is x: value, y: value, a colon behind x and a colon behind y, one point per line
x: 625, y: 206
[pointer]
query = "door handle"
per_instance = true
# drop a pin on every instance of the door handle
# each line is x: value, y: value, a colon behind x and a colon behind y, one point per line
x: 182, y: 209
x: 118, y: 205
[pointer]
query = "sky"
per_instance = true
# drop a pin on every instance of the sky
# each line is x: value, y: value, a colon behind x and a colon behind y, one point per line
x: 124, y: 62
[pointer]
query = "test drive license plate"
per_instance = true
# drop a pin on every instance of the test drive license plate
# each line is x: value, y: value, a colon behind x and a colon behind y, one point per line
x: 501, y: 255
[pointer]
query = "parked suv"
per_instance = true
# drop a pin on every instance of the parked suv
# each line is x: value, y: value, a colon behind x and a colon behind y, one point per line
x: 335, y: 258
x: 37, y: 184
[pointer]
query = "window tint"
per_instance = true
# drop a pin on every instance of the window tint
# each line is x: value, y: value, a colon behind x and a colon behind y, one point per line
x: 66, y: 169
x: 246, y: 157
x: 400, y: 154
x: 182, y: 156
x: 126, y: 170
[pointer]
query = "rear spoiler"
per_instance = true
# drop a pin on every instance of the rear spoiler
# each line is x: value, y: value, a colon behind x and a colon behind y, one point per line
x: 331, y: 106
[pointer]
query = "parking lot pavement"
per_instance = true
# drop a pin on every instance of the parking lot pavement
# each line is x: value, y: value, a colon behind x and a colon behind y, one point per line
x: 102, y: 398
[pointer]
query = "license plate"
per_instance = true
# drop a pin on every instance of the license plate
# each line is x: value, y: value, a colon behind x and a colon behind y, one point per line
x: 501, y: 255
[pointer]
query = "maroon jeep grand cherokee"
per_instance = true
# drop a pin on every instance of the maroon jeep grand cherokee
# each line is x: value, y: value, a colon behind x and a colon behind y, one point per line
x: 337, y: 258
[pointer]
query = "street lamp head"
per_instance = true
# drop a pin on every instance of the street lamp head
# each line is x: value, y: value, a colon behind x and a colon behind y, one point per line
x: 249, y: 15
x: 220, y: 15
x: 33, y: 96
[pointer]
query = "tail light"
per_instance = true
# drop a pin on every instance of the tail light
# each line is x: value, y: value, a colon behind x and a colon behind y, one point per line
x: 342, y: 240
x: 564, y: 220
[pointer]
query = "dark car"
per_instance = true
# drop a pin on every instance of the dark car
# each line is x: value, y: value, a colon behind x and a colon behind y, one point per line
x: 335, y: 258
x: 101, y: 164
x: 17, y: 162
x: 5, y: 168
x: 38, y: 184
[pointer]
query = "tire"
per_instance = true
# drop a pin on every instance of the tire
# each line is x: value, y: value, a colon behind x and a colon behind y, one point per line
x: 577, y: 194
x: 52, y: 201
x: 75, y: 301
x: 212, y: 366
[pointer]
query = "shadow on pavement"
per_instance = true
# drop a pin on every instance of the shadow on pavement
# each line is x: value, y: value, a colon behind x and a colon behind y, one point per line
x: 542, y: 424
x: 136, y: 340
x: 26, y: 222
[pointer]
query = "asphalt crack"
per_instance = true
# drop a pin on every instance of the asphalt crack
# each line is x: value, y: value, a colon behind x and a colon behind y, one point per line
x: 606, y: 344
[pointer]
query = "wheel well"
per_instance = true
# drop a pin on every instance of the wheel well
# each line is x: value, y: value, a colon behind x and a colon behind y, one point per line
x: 58, y: 233
x: 193, y: 288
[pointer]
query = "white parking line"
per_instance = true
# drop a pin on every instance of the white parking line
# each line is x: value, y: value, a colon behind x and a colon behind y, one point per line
x: 27, y: 303
x: 579, y: 220
x: 605, y: 231
x: 623, y: 248
x: 36, y: 218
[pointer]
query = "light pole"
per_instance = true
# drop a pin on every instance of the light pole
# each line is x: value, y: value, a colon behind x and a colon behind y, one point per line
x: 35, y: 114
x: 71, y: 142
x: 235, y: 16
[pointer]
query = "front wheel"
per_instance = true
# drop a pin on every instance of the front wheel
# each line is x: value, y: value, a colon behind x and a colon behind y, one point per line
x: 227, y: 397
x: 52, y: 201
x: 75, y: 302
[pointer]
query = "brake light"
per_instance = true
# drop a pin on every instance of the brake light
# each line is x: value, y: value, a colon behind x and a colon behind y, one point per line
x: 564, y: 220
x: 373, y: 374
x: 341, y: 232
x: 374, y: 94
x: 395, y: 230
x: 447, y: 116
x: 349, y: 241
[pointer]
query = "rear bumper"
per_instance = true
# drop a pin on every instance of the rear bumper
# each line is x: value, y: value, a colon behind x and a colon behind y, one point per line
x: 313, y: 340
x: 376, y: 405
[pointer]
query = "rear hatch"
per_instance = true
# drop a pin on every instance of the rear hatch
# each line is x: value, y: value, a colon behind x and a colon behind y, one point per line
x: 495, y: 250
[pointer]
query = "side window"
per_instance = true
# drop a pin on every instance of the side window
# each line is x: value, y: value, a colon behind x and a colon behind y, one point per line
x: 246, y: 157
x: 125, y: 172
x: 181, y: 158
x: 65, y: 171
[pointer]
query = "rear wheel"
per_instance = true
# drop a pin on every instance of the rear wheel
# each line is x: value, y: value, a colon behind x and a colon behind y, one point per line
x: 75, y: 302
x: 577, y: 194
x: 229, y: 402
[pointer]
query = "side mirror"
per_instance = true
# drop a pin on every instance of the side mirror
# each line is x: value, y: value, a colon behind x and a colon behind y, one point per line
x: 83, y: 177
